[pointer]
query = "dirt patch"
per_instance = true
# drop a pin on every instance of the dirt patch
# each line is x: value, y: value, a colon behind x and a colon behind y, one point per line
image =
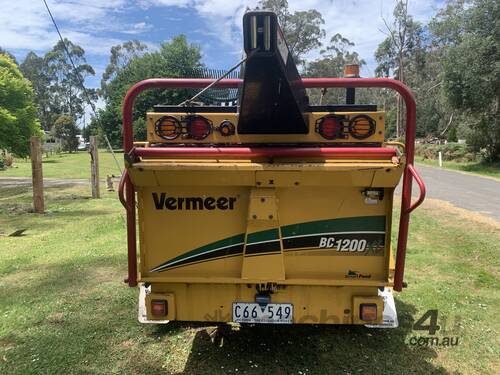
x: 435, y: 208
x: 56, y: 318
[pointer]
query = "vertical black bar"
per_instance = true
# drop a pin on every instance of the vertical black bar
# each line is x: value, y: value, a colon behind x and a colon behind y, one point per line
x: 350, y: 95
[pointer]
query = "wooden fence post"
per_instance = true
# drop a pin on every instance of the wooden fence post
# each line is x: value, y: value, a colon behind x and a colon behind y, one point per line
x: 36, y: 172
x: 94, y: 167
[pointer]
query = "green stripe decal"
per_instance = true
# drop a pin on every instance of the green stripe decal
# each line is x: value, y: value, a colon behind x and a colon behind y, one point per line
x: 240, y: 238
x: 232, y: 246
x: 362, y: 223
x: 266, y: 235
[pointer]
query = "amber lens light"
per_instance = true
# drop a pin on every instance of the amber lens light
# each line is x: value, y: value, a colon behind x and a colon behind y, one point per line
x: 351, y: 71
x: 158, y: 307
x: 168, y: 127
x: 368, y: 312
x: 330, y: 128
x: 226, y: 128
x: 361, y: 127
x: 198, y: 127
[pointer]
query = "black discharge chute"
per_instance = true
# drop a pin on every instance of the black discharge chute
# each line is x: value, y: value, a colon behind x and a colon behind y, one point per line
x: 273, y: 99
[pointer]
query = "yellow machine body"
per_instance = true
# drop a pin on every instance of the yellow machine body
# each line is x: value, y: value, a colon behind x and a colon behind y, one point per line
x: 315, y: 233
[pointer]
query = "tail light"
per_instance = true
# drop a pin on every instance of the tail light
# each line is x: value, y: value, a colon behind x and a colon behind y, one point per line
x: 198, y: 127
x: 331, y: 127
x: 226, y: 128
x: 159, y: 308
x: 368, y: 312
x: 361, y: 127
x: 168, y: 127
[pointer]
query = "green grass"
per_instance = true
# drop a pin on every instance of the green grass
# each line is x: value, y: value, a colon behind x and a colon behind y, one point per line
x: 65, y: 165
x: 481, y: 168
x: 64, y: 308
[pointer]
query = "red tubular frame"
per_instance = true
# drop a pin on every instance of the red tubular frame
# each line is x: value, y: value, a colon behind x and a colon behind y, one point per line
x: 266, y: 152
x: 170, y: 83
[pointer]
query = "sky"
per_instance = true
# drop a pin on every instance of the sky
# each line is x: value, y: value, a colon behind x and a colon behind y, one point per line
x: 214, y: 25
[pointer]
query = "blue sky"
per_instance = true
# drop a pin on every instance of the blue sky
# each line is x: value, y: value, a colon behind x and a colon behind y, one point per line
x: 215, y: 25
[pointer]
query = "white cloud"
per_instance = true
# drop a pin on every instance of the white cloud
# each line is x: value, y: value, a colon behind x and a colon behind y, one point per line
x: 359, y: 21
x: 26, y: 24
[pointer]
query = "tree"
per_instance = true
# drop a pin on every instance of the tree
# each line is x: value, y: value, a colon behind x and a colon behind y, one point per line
x: 5, y: 52
x: 471, y: 72
x: 403, y: 42
x: 120, y: 57
x: 302, y: 29
x: 66, y: 130
x: 18, y: 120
x: 331, y: 64
x: 175, y: 59
x: 36, y: 69
x: 66, y: 87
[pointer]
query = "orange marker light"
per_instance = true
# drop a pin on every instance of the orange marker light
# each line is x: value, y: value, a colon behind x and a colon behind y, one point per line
x: 362, y: 126
x: 351, y: 71
x: 168, y: 127
x: 226, y: 128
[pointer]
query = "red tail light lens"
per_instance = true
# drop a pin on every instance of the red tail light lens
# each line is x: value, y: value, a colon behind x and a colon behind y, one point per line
x: 368, y: 312
x: 330, y: 127
x: 168, y: 127
x: 198, y: 127
x: 361, y: 127
x: 159, y: 307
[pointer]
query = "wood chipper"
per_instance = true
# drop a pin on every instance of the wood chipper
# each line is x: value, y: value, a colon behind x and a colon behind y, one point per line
x: 271, y: 211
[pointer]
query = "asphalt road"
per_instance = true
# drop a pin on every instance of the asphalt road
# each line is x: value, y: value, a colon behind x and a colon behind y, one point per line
x: 471, y: 192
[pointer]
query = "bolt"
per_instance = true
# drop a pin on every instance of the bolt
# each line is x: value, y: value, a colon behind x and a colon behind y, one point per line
x: 270, y: 216
x: 254, y: 216
x: 262, y: 200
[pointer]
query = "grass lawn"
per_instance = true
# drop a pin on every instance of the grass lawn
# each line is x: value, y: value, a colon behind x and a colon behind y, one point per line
x: 65, y: 165
x: 491, y: 170
x: 64, y: 308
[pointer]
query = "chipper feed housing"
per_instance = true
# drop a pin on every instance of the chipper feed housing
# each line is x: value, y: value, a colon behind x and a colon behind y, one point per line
x: 272, y: 211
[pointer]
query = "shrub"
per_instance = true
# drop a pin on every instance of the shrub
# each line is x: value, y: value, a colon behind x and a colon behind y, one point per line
x: 450, y: 151
x: 8, y: 160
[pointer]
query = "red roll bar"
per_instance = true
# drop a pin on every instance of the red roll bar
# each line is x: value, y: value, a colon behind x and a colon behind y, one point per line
x: 165, y: 83
x: 267, y: 152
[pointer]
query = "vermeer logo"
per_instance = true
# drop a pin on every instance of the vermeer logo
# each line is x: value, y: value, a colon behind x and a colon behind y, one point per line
x: 161, y: 201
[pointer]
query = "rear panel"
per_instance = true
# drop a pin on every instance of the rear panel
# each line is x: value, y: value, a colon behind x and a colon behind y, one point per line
x: 268, y: 225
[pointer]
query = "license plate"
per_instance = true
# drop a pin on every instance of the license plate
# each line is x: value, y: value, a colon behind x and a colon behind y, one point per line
x: 274, y: 313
